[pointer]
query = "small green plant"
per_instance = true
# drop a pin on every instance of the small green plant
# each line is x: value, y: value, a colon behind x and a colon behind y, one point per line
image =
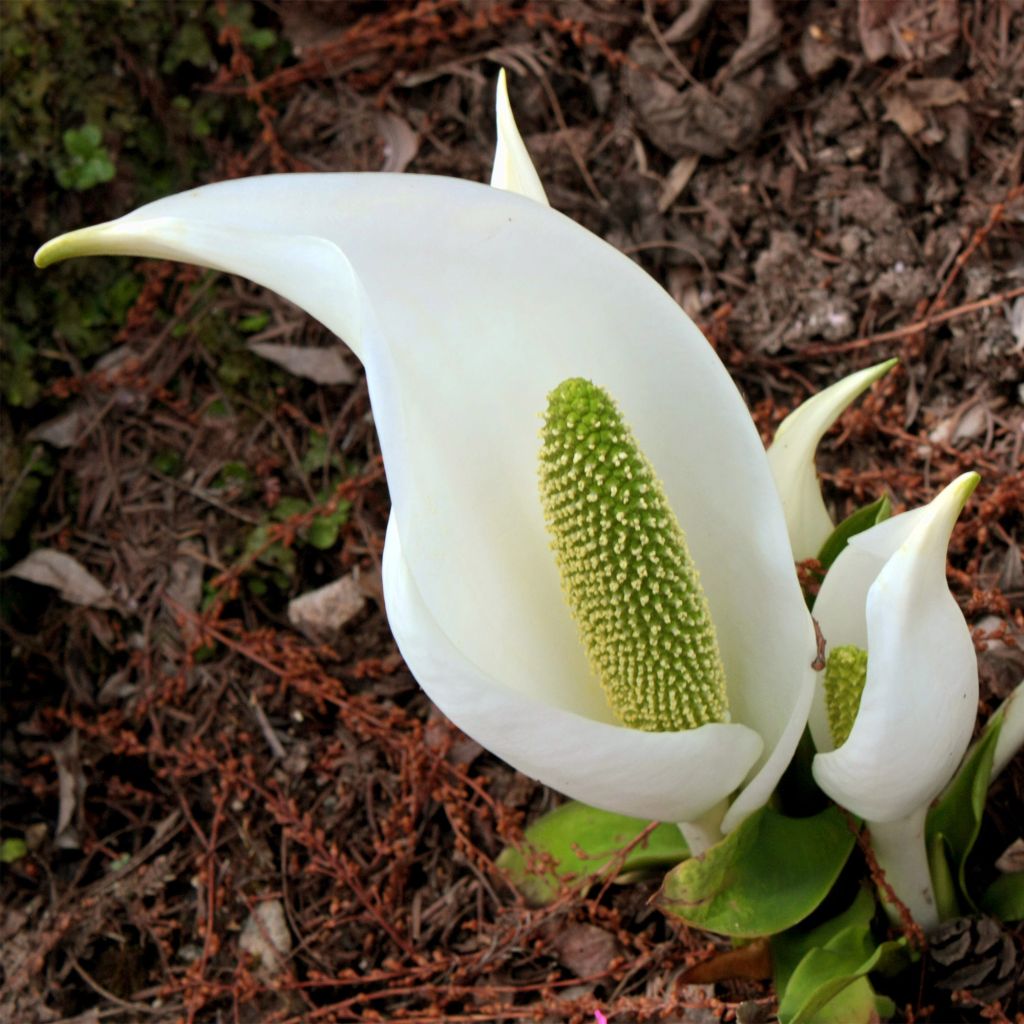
x: 85, y: 162
x: 275, y: 562
x: 12, y: 850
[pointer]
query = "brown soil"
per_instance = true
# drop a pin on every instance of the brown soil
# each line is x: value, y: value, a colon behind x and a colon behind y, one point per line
x: 821, y: 186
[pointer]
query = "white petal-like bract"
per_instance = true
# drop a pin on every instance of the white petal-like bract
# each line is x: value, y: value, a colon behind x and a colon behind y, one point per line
x: 791, y: 456
x: 467, y: 305
x: 887, y: 593
x: 513, y: 169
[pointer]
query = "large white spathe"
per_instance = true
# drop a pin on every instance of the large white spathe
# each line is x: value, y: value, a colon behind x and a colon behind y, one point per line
x: 467, y: 305
x: 887, y: 594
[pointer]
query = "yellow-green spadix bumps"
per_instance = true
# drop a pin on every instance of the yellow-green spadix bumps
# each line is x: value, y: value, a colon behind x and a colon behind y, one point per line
x: 846, y: 672
x: 626, y: 571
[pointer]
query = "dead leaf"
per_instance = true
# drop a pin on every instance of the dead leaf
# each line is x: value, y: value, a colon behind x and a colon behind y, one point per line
x: 322, y: 613
x: 1011, y: 860
x: 401, y: 142
x: 764, y: 32
x: 676, y: 180
x: 265, y: 936
x: 322, y: 365
x: 900, y: 109
x: 696, y: 120
x: 699, y: 1002
x: 70, y: 790
x: 752, y: 962
x: 441, y: 734
x: 935, y: 92
x: 1015, y: 314
x: 63, y: 430
x: 585, y: 949
x: 51, y: 568
x: 905, y: 107
x: 690, y: 22
x: 968, y: 421
x: 184, y: 588
x: 309, y: 24
x: 908, y: 30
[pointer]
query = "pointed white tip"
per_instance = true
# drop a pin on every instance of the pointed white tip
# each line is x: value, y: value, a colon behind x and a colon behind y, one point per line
x: 513, y: 169
x: 791, y: 457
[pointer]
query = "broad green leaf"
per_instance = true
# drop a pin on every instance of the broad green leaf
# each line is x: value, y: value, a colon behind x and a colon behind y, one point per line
x: 574, y: 842
x: 954, y: 822
x: 764, y: 877
x: 829, y: 984
x: 1004, y: 898
x: 791, y: 946
x: 857, y: 522
x: 852, y: 1003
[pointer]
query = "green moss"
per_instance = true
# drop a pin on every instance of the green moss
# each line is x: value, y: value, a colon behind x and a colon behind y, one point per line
x: 84, y: 107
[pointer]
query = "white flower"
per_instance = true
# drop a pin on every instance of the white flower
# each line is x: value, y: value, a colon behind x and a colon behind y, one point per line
x: 886, y: 594
x: 791, y: 456
x: 467, y: 305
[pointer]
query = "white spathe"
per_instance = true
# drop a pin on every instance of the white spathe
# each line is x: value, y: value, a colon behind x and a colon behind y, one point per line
x: 513, y: 169
x: 791, y: 456
x: 467, y: 305
x: 887, y: 594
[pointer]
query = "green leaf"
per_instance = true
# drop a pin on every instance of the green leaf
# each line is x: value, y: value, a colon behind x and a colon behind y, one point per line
x: 943, y: 883
x: 764, y: 877
x: 323, y: 532
x: 830, y: 986
x: 82, y: 142
x: 857, y: 522
x: 12, y: 850
x: 954, y: 822
x: 168, y: 462
x: 320, y: 454
x: 287, y: 507
x: 89, y: 163
x: 574, y: 842
x: 1004, y: 898
x: 791, y: 946
x: 254, y: 323
x: 260, y: 38
x: 189, y: 45
x: 821, y: 973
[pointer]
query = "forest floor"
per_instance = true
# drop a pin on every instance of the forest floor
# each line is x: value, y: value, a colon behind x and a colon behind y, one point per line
x: 217, y: 816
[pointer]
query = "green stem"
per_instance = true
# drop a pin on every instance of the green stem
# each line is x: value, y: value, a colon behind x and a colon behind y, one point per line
x: 899, y: 848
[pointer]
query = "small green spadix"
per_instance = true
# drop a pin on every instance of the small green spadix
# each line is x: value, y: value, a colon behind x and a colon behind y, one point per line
x: 846, y: 671
x: 627, y: 574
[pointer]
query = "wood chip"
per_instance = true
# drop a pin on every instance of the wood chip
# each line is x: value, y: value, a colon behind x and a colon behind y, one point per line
x: 321, y: 614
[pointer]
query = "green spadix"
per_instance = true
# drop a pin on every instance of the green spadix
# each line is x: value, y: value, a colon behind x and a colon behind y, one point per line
x: 845, y: 673
x: 626, y: 571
